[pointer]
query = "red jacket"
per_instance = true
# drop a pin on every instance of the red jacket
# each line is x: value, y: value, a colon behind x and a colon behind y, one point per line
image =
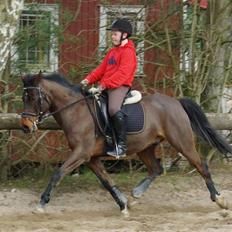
x: 117, y: 68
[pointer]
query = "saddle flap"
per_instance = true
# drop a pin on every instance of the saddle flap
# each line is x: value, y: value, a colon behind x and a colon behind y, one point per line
x: 135, y: 120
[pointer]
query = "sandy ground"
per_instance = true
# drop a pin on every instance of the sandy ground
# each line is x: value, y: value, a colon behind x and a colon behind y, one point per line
x: 172, y: 204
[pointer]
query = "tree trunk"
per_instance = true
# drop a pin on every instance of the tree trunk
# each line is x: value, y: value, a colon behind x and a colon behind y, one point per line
x: 220, y: 35
x: 9, y: 16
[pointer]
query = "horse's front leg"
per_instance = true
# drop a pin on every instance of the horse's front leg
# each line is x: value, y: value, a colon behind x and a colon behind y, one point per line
x: 98, y: 168
x: 45, y: 197
x: 75, y: 160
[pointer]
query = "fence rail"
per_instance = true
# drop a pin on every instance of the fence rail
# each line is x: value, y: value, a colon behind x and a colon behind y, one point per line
x: 11, y: 121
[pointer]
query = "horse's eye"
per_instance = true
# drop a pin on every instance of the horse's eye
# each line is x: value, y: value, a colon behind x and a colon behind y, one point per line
x: 25, y: 96
x: 31, y: 98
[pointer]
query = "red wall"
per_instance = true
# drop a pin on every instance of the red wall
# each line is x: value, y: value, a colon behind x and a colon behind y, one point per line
x: 81, y: 35
x: 160, y: 62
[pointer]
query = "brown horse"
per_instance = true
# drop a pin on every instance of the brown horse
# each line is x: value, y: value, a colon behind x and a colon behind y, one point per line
x: 165, y: 119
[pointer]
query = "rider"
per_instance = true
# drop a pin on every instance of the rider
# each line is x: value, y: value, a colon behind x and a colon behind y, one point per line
x: 115, y: 75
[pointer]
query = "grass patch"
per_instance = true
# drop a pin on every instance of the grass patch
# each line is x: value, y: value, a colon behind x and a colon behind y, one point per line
x: 37, y: 180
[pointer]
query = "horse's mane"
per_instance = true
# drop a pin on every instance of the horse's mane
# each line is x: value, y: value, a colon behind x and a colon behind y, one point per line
x: 59, y: 79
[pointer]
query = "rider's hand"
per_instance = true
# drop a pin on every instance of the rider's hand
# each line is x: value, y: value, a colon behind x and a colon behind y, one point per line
x: 84, y: 83
x: 95, y: 90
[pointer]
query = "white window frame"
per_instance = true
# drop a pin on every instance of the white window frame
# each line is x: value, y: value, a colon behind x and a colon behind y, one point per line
x: 53, y: 55
x: 119, y: 9
x: 184, y: 57
x: 226, y: 100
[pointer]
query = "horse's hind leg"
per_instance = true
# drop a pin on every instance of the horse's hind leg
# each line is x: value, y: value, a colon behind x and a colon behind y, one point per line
x: 202, y: 168
x: 154, y: 168
x: 98, y: 168
x: 186, y: 146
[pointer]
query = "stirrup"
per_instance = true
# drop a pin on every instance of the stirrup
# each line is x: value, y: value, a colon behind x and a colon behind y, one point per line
x: 115, y: 154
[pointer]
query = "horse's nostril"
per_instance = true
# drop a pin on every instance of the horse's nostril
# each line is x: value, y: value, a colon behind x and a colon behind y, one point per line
x: 25, y: 129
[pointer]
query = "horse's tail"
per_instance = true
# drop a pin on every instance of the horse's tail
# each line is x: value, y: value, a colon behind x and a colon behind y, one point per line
x: 203, y: 128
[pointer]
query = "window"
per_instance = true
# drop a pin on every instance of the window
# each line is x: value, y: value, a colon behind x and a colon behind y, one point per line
x: 136, y: 15
x: 37, y: 43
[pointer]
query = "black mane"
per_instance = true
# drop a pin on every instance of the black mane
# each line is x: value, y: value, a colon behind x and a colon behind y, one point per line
x: 56, y: 77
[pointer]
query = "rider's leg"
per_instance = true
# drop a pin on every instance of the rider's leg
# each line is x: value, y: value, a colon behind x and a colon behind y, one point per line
x: 109, y: 143
x: 118, y: 121
x: 115, y: 100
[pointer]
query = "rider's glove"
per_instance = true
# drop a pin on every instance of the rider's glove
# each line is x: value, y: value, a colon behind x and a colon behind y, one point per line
x: 84, y: 83
x: 95, y: 90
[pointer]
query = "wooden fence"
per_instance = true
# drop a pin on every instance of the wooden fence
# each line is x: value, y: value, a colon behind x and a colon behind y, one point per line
x: 11, y: 121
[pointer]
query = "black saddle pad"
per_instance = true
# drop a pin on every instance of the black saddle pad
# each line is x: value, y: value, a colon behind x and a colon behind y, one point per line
x: 134, y: 117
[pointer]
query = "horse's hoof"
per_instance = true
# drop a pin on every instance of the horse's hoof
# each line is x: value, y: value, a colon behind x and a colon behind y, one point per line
x: 225, y: 213
x: 125, y: 212
x: 137, y: 193
x: 40, y: 208
x: 131, y: 202
x: 222, y: 202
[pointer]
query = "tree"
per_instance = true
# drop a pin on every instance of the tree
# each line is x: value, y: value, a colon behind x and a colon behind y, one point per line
x: 219, y: 31
x: 9, y: 15
x: 205, y: 51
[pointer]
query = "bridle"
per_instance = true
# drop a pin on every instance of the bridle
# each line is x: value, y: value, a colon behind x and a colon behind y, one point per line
x: 41, y: 116
x: 43, y: 97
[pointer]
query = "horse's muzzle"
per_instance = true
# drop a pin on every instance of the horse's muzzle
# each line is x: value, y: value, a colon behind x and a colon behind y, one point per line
x: 28, y: 124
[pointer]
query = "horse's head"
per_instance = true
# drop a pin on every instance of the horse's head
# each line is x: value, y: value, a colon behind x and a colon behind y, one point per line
x: 35, y: 101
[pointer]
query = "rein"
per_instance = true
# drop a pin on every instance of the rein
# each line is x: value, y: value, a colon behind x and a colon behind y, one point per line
x: 66, y: 106
x: 43, y: 115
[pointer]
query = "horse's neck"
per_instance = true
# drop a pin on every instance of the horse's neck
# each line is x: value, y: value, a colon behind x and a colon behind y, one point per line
x: 61, y: 100
x: 60, y: 97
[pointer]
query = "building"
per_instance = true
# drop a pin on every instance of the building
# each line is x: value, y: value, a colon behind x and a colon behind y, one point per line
x: 84, y: 39
x: 74, y: 38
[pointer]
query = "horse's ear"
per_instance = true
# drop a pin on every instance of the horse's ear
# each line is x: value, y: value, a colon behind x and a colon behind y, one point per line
x: 38, y: 77
x: 22, y: 77
x: 40, y: 74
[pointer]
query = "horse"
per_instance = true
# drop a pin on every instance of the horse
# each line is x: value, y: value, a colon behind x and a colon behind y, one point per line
x: 166, y: 118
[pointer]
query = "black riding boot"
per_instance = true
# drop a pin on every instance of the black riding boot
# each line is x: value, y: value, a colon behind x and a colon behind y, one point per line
x: 119, y: 124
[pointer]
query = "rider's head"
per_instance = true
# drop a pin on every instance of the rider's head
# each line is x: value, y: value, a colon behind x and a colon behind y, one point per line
x: 121, y: 30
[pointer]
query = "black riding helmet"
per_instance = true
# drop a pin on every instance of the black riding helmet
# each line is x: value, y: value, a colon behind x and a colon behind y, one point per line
x: 122, y: 25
